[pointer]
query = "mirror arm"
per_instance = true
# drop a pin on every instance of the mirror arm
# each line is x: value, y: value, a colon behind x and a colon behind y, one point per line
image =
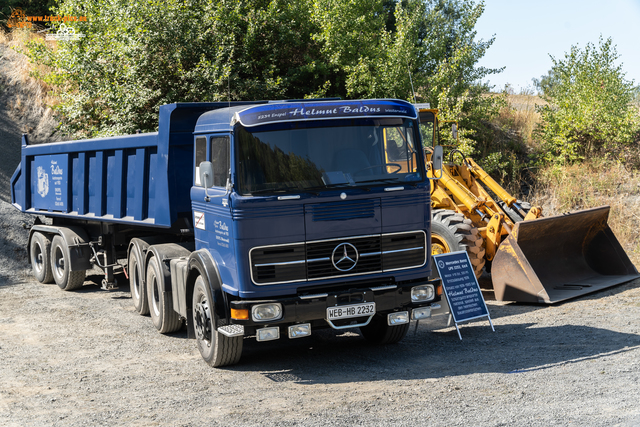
x: 229, y: 187
x: 206, y: 193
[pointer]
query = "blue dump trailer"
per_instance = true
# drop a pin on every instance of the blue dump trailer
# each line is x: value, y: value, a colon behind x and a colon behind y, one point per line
x: 244, y: 219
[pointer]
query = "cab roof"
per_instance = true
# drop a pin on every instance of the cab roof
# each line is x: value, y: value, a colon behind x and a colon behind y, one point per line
x: 223, y: 119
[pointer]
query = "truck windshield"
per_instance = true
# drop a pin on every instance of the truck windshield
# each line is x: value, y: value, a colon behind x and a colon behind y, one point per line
x: 312, y: 156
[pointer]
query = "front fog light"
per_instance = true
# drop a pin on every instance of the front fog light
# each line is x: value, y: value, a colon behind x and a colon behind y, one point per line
x: 398, y: 318
x: 268, y: 334
x: 422, y: 293
x: 266, y: 312
x: 301, y: 330
x: 421, y: 313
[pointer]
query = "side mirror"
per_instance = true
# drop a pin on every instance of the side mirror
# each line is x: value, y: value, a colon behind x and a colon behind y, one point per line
x: 436, y: 159
x: 206, y: 178
x: 206, y: 174
x: 454, y: 131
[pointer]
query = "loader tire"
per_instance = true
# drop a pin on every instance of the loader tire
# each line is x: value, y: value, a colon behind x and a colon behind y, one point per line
x: 451, y: 232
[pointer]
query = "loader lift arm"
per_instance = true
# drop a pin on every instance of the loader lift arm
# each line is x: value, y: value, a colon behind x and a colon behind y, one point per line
x: 533, y: 259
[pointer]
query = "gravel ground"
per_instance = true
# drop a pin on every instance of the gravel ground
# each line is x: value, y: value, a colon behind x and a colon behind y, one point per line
x: 87, y: 358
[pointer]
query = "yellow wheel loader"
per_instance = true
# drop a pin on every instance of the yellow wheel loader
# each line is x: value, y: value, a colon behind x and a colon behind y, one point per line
x: 530, y: 258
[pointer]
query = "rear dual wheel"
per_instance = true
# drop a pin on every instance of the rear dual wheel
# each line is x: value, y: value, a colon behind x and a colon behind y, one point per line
x: 39, y: 254
x: 66, y: 279
x: 51, y: 261
x: 136, y: 284
x: 164, y: 318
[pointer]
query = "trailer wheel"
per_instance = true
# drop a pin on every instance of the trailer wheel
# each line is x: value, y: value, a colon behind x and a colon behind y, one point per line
x: 452, y: 231
x: 164, y: 318
x: 215, y: 348
x: 66, y: 279
x: 378, y: 331
x: 136, y: 284
x: 39, y: 252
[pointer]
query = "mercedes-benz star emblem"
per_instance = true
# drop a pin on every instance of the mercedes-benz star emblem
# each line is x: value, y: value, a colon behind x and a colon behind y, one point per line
x: 344, y: 257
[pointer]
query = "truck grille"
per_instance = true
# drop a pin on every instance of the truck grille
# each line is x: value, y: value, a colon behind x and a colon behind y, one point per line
x: 347, y: 256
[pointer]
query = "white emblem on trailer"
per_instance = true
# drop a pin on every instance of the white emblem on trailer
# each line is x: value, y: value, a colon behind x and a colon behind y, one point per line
x: 198, y: 220
x: 43, y: 182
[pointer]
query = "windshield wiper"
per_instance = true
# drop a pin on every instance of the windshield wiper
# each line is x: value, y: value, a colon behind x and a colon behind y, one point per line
x: 381, y: 181
x: 275, y: 190
x: 326, y: 186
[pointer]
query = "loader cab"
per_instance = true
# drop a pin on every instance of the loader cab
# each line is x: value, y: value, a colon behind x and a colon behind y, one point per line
x: 399, y: 150
x: 428, y: 118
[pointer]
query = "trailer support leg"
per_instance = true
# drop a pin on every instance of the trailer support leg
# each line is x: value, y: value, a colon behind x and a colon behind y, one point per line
x: 109, y: 282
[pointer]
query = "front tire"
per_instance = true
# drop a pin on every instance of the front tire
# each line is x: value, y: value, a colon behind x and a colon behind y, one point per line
x: 39, y: 253
x: 215, y: 348
x: 164, y: 318
x: 66, y: 279
x: 378, y: 331
x: 451, y: 232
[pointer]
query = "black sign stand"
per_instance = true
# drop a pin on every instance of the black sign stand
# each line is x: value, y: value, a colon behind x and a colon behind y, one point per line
x: 461, y: 288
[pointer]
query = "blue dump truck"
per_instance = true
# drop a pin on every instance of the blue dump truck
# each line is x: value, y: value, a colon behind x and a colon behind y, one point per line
x: 244, y: 219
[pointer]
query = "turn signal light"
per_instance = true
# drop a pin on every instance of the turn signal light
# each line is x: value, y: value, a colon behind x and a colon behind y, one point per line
x: 240, y: 314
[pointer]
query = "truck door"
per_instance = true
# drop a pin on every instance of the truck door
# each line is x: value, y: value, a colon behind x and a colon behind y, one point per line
x: 211, y: 211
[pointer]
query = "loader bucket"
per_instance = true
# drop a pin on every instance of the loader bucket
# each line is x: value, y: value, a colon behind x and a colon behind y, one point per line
x: 552, y: 259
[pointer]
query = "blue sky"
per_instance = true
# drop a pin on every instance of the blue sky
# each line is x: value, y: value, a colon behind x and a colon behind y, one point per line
x: 527, y: 32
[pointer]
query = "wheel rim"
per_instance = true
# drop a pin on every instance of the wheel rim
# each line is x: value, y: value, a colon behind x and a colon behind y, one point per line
x: 439, y: 245
x: 38, y: 263
x: 156, y: 296
x: 202, y: 321
x: 58, y: 262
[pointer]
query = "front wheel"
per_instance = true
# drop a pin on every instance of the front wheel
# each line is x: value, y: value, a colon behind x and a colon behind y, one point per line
x: 66, y: 279
x: 378, y: 331
x: 215, y: 348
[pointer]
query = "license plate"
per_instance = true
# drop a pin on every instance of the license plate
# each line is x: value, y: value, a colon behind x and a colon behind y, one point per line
x: 348, y: 311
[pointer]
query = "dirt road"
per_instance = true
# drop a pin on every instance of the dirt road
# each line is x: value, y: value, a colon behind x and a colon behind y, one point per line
x: 87, y: 358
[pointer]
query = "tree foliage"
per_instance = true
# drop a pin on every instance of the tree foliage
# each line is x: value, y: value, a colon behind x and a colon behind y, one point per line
x: 589, y: 110
x: 136, y: 56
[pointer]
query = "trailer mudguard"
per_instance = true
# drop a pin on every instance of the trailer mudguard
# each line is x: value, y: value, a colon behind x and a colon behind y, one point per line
x: 201, y: 263
x: 76, y: 238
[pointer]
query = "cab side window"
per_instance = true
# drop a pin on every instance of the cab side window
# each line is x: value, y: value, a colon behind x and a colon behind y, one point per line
x: 201, y: 156
x: 219, y: 149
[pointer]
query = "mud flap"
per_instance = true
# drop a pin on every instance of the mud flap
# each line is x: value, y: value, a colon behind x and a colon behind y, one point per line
x: 552, y: 259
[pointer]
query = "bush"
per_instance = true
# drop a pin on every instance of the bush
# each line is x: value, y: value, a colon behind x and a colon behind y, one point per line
x: 589, y: 111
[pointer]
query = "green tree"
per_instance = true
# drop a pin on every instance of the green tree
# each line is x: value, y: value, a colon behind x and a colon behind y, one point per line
x: 589, y: 110
x: 136, y: 56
